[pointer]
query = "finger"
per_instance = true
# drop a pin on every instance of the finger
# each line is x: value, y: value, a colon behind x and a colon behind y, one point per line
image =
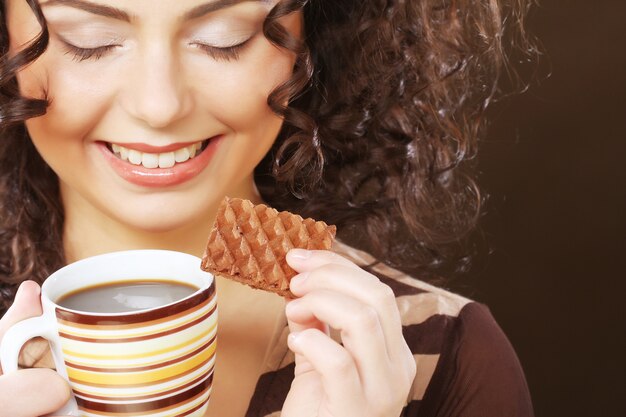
x: 27, y: 304
x: 360, y: 329
x: 303, y: 260
x: 337, y: 370
x: 32, y: 392
x: 304, y: 323
x: 363, y: 286
x: 310, y: 322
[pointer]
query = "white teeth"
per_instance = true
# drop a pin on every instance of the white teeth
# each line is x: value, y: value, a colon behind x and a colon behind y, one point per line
x: 156, y: 160
x: 181, y: 155
x: 134, y: 157
x: 150, y: 160
x: 123, y: 153
x: 166, y: 160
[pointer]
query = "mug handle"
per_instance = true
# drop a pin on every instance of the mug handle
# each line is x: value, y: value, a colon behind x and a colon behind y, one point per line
x: 17, y: 336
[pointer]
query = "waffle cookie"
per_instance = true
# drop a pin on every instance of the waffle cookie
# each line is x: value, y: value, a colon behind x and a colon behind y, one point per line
x: 248, y: 243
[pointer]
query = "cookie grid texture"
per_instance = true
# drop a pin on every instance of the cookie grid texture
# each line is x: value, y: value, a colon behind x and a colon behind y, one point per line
x: 248, y: 243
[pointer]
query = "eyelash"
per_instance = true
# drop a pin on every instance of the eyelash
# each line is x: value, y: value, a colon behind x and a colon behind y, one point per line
x: 83, y: 54
x: 227, y: 53
x: 218, y: 53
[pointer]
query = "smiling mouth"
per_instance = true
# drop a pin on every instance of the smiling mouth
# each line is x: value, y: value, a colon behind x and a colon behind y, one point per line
x: 158, y: 160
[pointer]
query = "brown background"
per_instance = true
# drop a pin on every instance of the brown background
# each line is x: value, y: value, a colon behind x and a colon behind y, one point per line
x: 553, y: 166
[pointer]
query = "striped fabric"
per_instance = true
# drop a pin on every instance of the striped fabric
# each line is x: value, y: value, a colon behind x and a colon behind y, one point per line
x: 432, y: 321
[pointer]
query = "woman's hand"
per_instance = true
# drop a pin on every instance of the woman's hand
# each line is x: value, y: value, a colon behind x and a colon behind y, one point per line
x: 29, y: 392
x: 372, y: 373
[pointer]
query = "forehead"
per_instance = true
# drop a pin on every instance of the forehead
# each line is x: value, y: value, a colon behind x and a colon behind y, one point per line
x: 133, y: 9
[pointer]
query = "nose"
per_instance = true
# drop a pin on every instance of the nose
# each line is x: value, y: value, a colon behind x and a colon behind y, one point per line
x: 157, y: 92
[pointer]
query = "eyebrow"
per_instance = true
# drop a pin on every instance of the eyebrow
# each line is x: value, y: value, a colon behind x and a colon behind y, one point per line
x: 99, y: 9
x: 213, y: 6
x: 118, y: 14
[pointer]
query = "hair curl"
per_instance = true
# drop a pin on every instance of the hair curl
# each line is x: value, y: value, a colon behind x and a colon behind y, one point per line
x: 387, y: 130
x: 385, y: 107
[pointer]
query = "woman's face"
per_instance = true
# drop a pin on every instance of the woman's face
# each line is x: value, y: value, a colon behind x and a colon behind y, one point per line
x: 157, y: 108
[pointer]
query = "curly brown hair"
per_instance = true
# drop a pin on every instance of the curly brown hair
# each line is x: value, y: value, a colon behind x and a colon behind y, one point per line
x: 386, y: 105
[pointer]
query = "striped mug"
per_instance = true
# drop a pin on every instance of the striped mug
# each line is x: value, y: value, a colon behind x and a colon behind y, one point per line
x: 154, y: 361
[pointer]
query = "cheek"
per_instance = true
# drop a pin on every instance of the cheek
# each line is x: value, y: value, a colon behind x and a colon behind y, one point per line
x: 240, y: 95
x: 242, y: 88
x: 78, y: 97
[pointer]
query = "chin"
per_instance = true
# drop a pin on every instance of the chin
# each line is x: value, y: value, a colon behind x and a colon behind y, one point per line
x: 158, y: 221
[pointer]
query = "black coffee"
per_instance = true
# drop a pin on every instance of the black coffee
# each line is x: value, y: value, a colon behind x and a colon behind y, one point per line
x: 126, y: 296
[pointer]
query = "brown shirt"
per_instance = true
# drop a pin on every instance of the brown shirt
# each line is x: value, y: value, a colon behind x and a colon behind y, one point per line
x: 465, y: 364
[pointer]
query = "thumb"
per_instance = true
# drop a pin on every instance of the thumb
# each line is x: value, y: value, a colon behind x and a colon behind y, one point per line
x: 27, y: 304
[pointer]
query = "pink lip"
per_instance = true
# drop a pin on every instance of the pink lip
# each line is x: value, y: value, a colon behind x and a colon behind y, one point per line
x: 160, y: 177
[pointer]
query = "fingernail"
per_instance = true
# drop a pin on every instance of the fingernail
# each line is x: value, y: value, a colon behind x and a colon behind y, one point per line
x: 300, y: 254
x: 299, y: 279
x: 291, y: 307
x: 292, y: 339
x: 22, y: 288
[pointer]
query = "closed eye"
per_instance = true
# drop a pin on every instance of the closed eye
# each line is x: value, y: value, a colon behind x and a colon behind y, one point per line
x: 82, y: 54
x: 226, y: 53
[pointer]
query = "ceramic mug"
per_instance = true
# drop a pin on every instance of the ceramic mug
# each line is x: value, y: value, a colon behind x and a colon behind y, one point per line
x: 155, y: 362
